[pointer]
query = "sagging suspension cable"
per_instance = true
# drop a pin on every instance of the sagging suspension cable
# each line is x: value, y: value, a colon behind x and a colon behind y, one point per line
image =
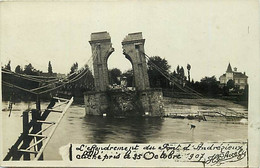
x: 80, y: 74
x: 170, y: 78
x: 61, y: 80
x: 6, y: 71
x: 33, y: 92
x: 196, y: 93
x: 34, y: 77
x: 17, y: 87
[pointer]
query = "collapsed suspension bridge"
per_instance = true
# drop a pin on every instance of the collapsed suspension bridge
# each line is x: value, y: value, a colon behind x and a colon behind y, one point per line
x: 37, y: 126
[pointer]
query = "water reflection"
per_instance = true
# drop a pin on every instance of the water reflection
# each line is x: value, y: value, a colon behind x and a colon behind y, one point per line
x: 132, y: 130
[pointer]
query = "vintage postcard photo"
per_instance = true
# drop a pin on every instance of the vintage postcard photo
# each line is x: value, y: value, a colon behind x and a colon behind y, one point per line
x: 130, y: 84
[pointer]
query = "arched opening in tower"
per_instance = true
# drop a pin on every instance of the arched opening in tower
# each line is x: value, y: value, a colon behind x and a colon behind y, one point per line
x: 120, y: 72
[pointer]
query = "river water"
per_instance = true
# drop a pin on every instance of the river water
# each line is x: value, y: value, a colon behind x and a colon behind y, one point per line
x: 75, y: 127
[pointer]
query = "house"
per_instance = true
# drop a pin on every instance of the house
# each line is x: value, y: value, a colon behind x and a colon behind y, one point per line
x: 239, y: 78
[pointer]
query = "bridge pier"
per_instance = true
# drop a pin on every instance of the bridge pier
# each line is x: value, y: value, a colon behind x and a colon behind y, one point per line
x: 125, y: 103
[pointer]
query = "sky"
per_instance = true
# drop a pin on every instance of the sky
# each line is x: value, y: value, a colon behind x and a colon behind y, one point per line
x: 205, y: 34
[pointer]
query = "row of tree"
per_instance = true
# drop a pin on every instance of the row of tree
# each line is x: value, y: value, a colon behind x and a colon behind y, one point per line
x: 28, y: 69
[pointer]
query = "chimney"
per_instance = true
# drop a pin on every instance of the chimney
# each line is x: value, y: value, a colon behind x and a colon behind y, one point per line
x: 235, y: 69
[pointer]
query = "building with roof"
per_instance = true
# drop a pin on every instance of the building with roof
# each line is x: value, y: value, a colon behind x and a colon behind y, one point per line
x: 239, y: 78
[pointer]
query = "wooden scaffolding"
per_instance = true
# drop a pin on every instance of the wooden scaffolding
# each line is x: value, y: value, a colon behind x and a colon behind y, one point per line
x: 37, y: 130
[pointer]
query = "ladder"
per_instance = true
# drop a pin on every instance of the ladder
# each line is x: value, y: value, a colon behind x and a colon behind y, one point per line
x: 38, y: 132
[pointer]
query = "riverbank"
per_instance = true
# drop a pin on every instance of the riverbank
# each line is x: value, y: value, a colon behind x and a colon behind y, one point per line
x: 212, y: 107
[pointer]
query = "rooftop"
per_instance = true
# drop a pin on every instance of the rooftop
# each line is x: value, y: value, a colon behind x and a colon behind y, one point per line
x: 229, y: 69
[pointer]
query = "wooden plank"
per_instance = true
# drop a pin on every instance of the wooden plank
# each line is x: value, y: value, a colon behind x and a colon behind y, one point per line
x: 60, y: 104
x: 35, y: 143
x: 61, y: 99
x: 36, y: 135
x: 13, y: 154
x: 26, y: 140
x: 27, y: 151
x: 35, y: 147
x: 36, y: 115
x: 53, y: 130
x: 53, y: 110
x: 45, y: 122
x: 12, y: 151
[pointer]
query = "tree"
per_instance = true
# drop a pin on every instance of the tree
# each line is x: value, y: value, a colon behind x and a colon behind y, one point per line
x: 29, y: 70
x: 155, y: 77
x: 114, y: 74
x: 192, y: 81
x: 50, y: 68
x: 178, y: 70
x: 174, y: 76
x: 209, y: 86
x: 74, y: 68
x: 174, y: 73
x: 188, y: 68
x: 8, y: 65
x: 230, y: 84
x: 18, y: 69
x: 208, y: 80
x: 182, y: 75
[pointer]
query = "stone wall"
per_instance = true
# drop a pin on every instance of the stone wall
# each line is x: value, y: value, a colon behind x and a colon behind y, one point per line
x: 152, y: 102
x: 96, y: 103
x: 125, y: 103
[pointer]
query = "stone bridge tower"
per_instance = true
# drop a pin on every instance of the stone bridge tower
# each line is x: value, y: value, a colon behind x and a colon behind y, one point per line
x: 101, y: 49
x: 133, y: 49
x: 144, y: 101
